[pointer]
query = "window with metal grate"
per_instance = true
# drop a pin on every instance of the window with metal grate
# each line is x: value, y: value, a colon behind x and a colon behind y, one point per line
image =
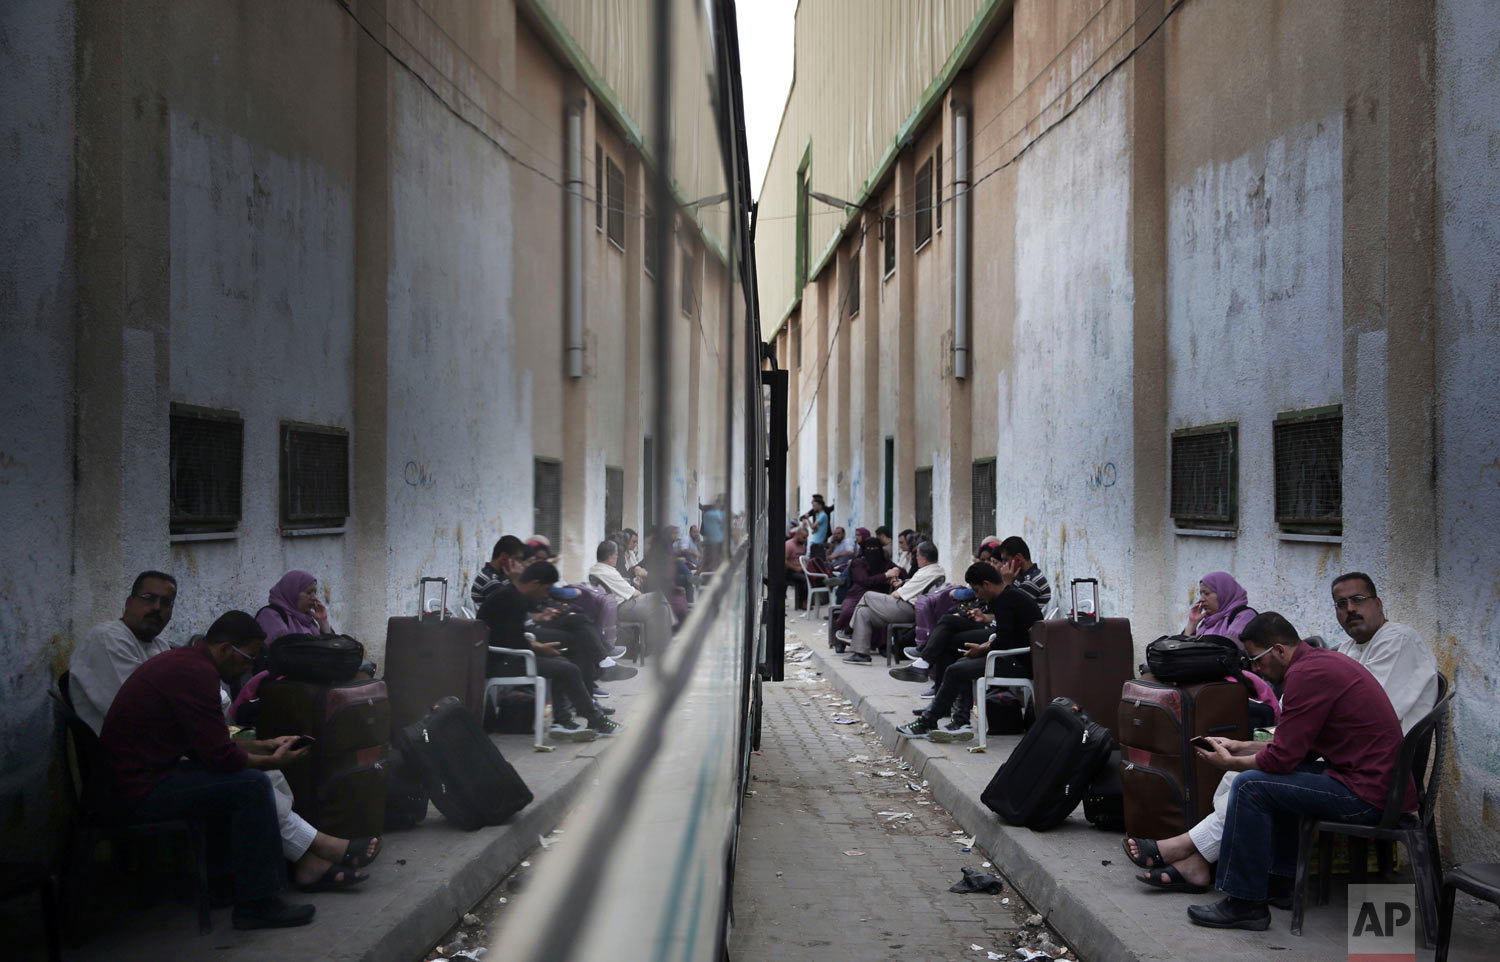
x: 614, y: 500
x: 314, y: 476
x: 923, y: 490
x: 546, y: 499
x: 982, y: 499
x: 1309, y: 455
x: 615, y: 179
x: 854, y: 283
x: 923, y: 222
x: 888, y: 235
x: 1205, y: 466
x: 206, y: 462
x: 598, y: 187
x: 937, y: 185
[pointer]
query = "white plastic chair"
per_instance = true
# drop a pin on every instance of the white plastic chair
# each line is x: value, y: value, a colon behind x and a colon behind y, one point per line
x: 530, y: 678
x: 1050, y: 613
x: 988, y: 680
x: 817, y: 584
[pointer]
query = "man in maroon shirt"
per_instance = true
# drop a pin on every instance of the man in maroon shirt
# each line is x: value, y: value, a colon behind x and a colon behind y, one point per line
x: 1332, y: 709
x: 172, y: 757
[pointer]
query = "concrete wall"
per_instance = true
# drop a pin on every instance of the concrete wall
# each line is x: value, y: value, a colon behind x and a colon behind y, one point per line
x: 1468, y: 409
x: 37, y: 303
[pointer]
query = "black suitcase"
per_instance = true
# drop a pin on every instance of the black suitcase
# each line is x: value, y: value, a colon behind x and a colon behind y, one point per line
x: 326, y: 659
x: 470, y: 782
x: 1104, y: 802
x: 1049, y: 772
x: 340, y: 785
x: 406, y: 795
x: 1083, y: 657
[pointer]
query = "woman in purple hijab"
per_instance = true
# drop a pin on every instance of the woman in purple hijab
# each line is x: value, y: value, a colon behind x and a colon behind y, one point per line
x: 294, y: 608
x: 1221, y: 609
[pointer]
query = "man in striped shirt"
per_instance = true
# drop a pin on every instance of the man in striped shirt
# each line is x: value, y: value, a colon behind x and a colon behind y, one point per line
x: 1016, y: 568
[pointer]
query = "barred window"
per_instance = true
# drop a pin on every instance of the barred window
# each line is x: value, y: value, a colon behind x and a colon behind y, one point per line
x: 546, y: 500
x: 648, y: 245
x: 1309, y: 455
x: 937, y: 185
x: 314, y: 476
x: 598, y: 186
x: 888, y: 232
x: 206, y: 461
x: 982, y: 498
x: 924, y: 501
x: 923, y: 222
x: 796, y: 336
x: 616, y: 195
x: 614, y: 500
x: 1205, y: 465
x: 854, y: 283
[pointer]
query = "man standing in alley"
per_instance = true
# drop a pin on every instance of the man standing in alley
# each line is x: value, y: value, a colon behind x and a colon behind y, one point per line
x: 111, y: 651
x: 817, y: 538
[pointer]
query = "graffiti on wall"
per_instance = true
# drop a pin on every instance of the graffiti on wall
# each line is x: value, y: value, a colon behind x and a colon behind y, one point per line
x: 419, y: 475
x: 1103, y: 476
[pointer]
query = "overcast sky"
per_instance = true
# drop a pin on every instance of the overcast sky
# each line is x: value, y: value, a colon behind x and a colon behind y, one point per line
x: 765, y: 29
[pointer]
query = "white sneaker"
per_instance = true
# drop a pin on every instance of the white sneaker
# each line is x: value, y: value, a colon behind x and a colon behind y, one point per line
x: 607, y: 662
x: 572, y: 730
x: 921, y: 664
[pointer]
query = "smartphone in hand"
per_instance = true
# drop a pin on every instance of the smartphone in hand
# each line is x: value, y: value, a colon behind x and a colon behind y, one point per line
x: 1201, y: 742
x: 303, y: 741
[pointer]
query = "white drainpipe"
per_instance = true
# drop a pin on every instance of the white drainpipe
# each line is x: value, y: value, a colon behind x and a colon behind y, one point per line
x: 574, y: 269
x: 960, y: 240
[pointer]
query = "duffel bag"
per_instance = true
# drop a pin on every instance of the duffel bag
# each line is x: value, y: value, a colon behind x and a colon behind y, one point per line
x: 327, y: 660
x: 1188, y: 659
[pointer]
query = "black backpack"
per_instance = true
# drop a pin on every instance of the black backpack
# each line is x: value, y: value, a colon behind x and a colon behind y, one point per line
x: 1188, y: 659
x: 328, y: 660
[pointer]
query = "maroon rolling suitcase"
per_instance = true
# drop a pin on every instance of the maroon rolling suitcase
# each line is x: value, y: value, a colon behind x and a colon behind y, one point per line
x: 431, y: 656
x: 1167, y: 788
x: 1083, y: 657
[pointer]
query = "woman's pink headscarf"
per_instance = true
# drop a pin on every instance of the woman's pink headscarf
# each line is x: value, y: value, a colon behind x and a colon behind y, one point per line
x: 284, y: 596
x: 1231, y: 596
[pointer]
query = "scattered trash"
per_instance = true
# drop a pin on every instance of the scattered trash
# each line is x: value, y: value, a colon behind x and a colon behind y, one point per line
x: 859, y: 759
x: 543, y: 843
x: 957, y: 831
x: 844, y: 721
x: 1026, y: 955
x: 1002, y: 901
x: 854, y: 852
x: 976, y: 948
x: 897, y: 816
x: 470, y: 918
x: 915, y: 787
x: 400, y: 861
x: 885, y: 774
x: 965, y: 844
x: 750, y: 794
x: 985, y: 865
x: 526, y: 865
x: 1104, y: 861
x: 976, y: 881
x: 906, y: 766
x: 778, y: 875
x: 996, y: 955
x: 1033, y: 920
x: 504, y: 900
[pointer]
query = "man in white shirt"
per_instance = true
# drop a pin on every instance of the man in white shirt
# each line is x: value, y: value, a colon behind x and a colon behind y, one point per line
x: 876, y: 610
x: 1394, y: 653
x: 111, y: 651
x: 647, y: 610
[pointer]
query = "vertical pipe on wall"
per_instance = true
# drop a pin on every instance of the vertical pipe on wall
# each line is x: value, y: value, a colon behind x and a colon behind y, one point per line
x: 574, y: 268
x: 960, y: 240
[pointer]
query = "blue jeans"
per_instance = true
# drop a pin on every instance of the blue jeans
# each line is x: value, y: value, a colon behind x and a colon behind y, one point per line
x: 239, y: 805
x: 1263, y: 821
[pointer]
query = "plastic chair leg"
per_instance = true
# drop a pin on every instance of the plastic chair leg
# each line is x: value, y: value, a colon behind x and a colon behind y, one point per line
x: 981, y: 719
x: 541, y: 712
x: 1304, y: 863
x: 1427, y: 885
x: 1445, y: 922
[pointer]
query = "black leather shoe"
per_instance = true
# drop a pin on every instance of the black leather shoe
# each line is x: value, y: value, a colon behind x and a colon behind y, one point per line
x: 271, y: 913
x: 908, y: 673
x: 855, y: 658
x: 1232, y: 913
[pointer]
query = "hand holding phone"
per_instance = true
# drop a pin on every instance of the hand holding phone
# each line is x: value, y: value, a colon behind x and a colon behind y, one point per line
x: 1203, y: 743
x: 303, y: 741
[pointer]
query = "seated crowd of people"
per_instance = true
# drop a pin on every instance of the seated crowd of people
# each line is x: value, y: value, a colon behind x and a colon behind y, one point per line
x: 163, y: 714
x: 1337, y: 712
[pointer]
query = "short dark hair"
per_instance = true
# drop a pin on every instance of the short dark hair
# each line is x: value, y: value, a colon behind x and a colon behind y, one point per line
x: 819, y: 498
x: 907, y: 531
x: 605, y: 550
x: 980, y: 573
x: 235, y: 627
x: 140, y: 579
x: 1015, y: 545
x: 508, y: 545
x: 1270, y: 628
x: 883, y: 530
x: 540, y: 572
x: 1353, y: 576
x: 928, y: 550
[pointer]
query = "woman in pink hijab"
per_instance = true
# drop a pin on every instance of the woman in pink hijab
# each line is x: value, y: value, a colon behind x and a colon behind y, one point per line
x: 294, y: 608
x: 1221, y: 609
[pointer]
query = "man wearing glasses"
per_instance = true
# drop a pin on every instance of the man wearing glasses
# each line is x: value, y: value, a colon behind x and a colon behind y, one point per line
x: 110, y: 652
x: 172, y: 757
x: 1394, y: 653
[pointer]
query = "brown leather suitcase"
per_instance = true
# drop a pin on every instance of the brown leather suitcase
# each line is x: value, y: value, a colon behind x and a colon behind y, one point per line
x: 431, y: 656
x: 1083, y: 657
x: 1167, y: 788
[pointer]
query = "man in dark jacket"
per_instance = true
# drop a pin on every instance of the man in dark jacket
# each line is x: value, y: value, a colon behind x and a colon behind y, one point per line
x: 1004, y: 613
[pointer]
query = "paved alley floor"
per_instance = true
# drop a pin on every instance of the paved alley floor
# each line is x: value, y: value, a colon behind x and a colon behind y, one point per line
x: 844, y: 854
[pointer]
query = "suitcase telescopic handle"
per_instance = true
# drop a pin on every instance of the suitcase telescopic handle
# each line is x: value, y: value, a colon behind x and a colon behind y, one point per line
x: 422, y: 598
x: 1094, y: 614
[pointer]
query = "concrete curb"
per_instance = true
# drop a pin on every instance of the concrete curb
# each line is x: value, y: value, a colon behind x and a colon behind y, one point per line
x: 428, y: 917
x: 1088, y: 932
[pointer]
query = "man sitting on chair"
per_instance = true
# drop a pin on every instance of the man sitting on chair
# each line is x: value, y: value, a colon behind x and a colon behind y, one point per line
x: 877, y: 610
